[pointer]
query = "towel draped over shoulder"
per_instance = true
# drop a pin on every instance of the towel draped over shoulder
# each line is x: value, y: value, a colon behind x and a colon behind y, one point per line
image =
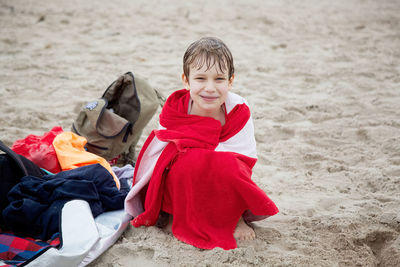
x: 200, y: 172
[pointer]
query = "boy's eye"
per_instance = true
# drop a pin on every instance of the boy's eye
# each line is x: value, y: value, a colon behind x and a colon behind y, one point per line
x: 199, y: 78
x: 220, y: 79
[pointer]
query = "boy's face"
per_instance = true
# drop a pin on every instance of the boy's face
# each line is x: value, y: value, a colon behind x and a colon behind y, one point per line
x: 208, y: 89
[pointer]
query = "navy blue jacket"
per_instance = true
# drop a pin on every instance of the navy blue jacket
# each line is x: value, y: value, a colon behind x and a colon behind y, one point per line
x: 36, y: 203
x: 12, y: 168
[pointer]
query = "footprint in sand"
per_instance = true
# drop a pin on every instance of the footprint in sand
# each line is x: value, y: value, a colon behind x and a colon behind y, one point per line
x: 385, y: 245
x: 270, y: 235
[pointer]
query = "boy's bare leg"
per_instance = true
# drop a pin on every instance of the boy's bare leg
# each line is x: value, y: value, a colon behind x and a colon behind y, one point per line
x: 243, y: 231
x: 168, y: 228
x: 165, y: 221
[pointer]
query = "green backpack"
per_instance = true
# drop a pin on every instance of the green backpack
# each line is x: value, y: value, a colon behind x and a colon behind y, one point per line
x: 114, y: 123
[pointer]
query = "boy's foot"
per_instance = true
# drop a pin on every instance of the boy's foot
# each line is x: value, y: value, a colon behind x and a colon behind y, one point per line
x: 243, y: 231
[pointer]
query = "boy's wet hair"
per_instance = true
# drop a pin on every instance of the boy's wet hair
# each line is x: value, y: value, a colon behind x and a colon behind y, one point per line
x: 209, y: 51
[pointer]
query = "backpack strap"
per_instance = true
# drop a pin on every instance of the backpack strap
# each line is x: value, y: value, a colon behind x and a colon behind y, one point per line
x: 14, y: 156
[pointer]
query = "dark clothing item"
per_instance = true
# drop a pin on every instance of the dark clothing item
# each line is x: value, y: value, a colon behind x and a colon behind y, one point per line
x: 12, y: 168
x: 36, y: 203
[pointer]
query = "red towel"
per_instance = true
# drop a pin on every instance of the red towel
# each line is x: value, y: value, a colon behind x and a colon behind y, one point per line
x: 202, y: 175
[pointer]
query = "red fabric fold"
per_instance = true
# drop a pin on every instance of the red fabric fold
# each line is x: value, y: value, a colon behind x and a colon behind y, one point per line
x: 206, y: 191
x: 40, y: 150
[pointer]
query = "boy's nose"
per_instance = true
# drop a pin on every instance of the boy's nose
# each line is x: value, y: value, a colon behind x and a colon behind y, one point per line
x: 210, y: 86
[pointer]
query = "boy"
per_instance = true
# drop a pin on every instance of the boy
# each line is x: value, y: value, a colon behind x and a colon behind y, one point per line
x: 197, y: 166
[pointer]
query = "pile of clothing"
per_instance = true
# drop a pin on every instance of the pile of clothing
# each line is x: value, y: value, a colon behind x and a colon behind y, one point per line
x: 59, y: 203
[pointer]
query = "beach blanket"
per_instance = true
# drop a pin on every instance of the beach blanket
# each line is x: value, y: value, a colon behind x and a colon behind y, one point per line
x: 200, y: 172
x: 14, y: 250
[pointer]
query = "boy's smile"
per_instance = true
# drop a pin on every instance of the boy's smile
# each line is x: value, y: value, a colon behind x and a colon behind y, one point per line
x: 209, y: 88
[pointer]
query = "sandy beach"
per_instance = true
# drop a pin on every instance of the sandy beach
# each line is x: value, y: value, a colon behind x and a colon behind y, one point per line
x: 323, y: 82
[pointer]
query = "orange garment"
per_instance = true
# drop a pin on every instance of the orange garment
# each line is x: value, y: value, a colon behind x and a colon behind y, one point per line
x: 71, y: 153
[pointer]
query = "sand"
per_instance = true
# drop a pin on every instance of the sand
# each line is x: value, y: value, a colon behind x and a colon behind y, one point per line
x: 323, y: 82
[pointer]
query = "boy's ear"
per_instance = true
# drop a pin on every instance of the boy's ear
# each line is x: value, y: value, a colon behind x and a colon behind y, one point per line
x: 231, y: 81
x: 185, y: 81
